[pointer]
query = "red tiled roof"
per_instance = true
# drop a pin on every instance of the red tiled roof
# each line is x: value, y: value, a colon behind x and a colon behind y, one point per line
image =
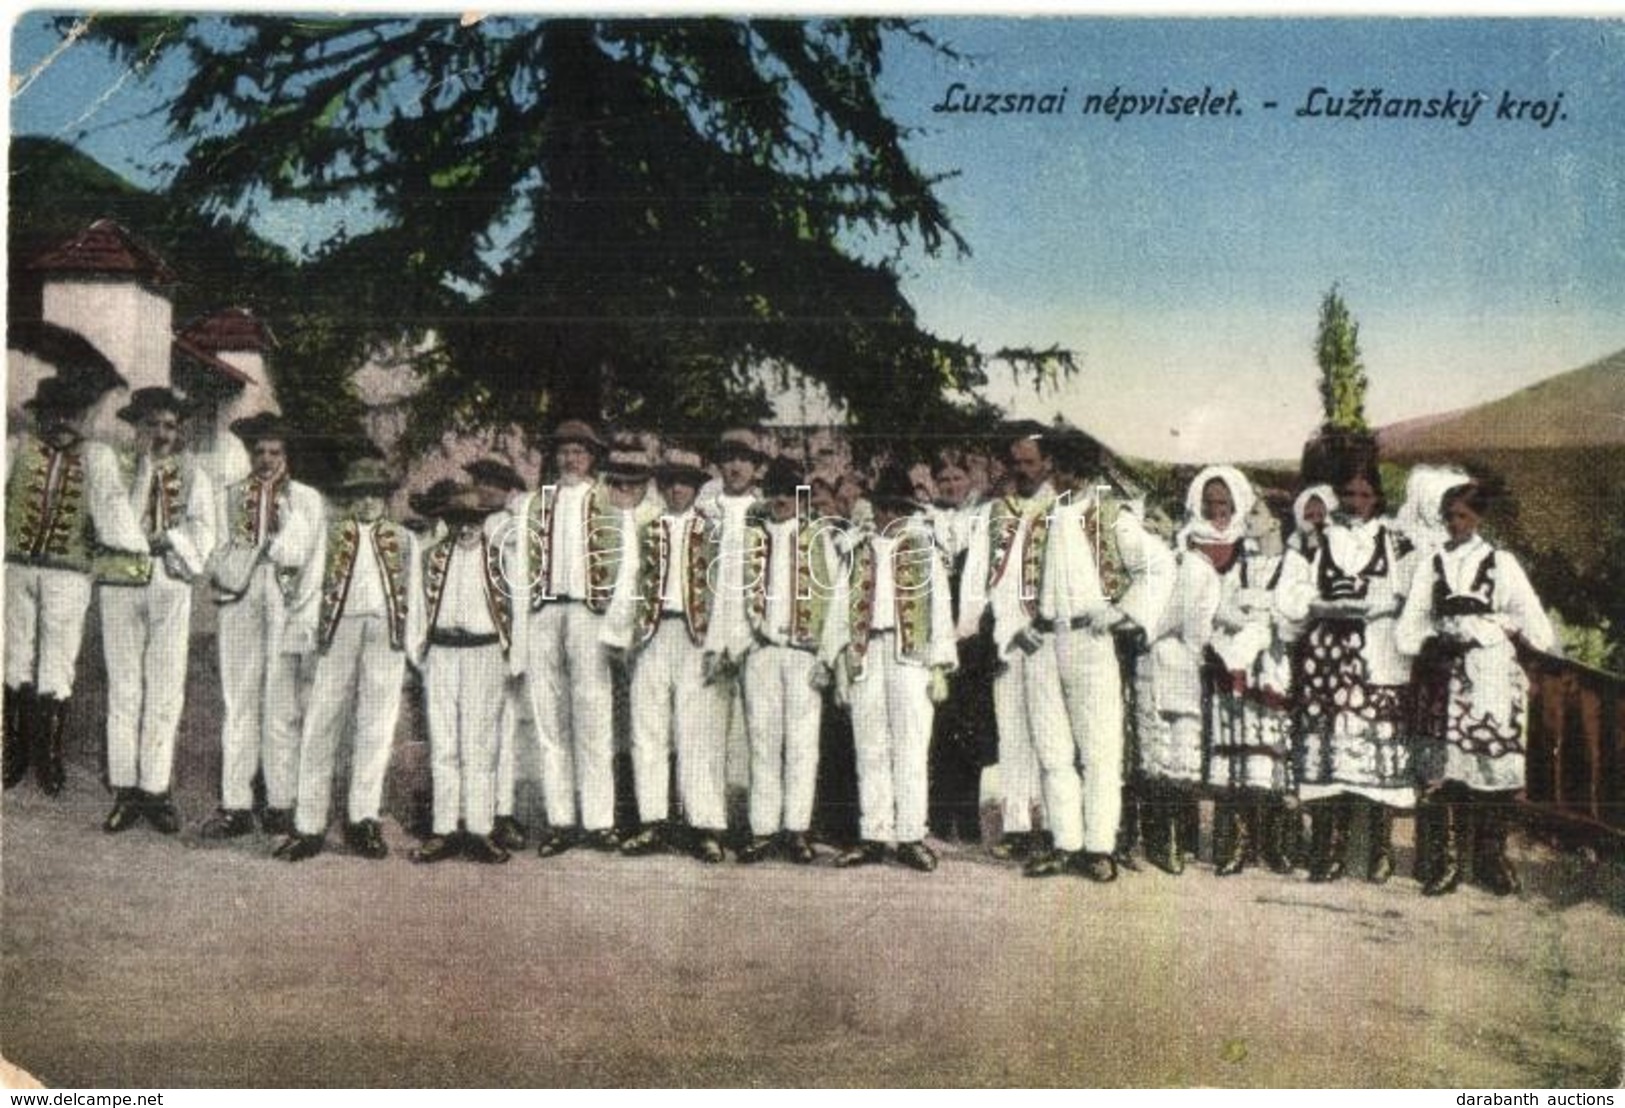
x: 217, y: 366
x: 230, y: 329
x: 105, y: 247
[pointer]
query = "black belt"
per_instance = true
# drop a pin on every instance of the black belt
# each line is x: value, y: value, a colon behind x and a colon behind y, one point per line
x: 447, y: 636
x: 673, y: 615
x: 1047, y: 626
x: 876, y: 632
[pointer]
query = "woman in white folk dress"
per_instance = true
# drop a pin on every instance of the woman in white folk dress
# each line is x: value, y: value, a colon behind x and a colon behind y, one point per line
x: 1470, y: 604
x: 1211, y: 571
x: 1354, y: 694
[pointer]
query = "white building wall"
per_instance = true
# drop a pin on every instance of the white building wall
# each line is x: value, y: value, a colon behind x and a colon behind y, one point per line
x: 132, y: 325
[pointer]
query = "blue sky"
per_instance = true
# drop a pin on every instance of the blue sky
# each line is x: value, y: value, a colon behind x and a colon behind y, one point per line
x: 1184, y: 257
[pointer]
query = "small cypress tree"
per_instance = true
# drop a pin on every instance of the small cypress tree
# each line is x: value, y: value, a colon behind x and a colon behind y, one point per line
x: 1342, y: 375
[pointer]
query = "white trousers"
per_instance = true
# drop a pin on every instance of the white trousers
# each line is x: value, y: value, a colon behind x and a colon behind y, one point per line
x: 145, y: 634
x: 1031, y: 718
x: 672, y: 703
x: 357, y: 682
x: 465, y: 687
x: 891, y: 726
x: 572, y: 700
x: 45, y: 623
x: 782, y: 713
x: 514, y: 727
x: 1092, y: 690
x: 264, y: 691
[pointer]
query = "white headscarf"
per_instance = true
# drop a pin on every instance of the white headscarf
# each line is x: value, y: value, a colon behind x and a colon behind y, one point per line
x: 1421, y: 517
x: 1241, y: 495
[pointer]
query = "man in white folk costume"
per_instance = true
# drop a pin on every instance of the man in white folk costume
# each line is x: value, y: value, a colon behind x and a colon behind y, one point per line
x: 267, y: 570
x: 470, y: 646
x: 575, y: 542
x: 1002, y: 573
x: 790, y: 573
x: 68, y: 520
x: 1102, y: 570
x: 660, y: 617
x: 146, y: 625
x: 897, y: 649
x: 370, y: 602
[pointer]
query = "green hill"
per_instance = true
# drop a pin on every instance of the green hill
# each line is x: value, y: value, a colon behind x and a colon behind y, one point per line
x: 57, y: 191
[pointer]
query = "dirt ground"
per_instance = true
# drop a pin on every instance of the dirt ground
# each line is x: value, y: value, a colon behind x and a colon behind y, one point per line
x: 140, y: 961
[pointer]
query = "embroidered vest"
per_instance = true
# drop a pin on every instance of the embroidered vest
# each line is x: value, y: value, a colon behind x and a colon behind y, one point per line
x: 159, y: 506
x: 498, y: 599
x: 242, y: 509
x: 389, y: 544
x: 911, y: 563
x: 602, y: 522
x: 810, y: 585
x: 1336, y: 584
x: 43, y: 529
x: 654, y: 555
x: 1478, y: 600
x: 1099, y: 522
x: 1004, y: 521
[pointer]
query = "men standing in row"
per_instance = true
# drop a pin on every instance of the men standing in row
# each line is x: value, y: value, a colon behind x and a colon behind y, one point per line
x: 146, y: 624
x: 660, y: 618
x: 370, y: 585
x: 64, y: 501
x: 267, y: 576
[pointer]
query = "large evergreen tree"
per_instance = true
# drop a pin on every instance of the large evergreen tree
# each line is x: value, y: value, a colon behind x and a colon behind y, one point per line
x: 657, y: 220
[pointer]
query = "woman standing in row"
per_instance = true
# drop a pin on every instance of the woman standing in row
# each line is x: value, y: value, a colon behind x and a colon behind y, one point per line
x: 1354, y: 697
x: 1470, y: 603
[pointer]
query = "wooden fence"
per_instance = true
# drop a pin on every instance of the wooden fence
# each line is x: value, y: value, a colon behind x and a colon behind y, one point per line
x: 1576, y: 752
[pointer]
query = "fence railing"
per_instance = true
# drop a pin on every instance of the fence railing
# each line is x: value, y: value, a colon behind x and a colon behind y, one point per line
x: 1576, y: 751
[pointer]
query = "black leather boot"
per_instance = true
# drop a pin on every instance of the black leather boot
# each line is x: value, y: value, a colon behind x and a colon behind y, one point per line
x: 1128, y: 830
x: 1328, y: 840
x: 19, y: 730
x: 1229, y: 837
x: 1491, y: 867
x: 1430, y: 814
x: 1445, y: 825
x: 1162, y: 830
x: 1275, y: 822
x: 1380, y: 861
x: 50, y: 726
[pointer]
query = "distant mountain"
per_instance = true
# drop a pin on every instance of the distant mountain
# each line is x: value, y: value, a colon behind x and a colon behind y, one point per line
x: 1582, y: 408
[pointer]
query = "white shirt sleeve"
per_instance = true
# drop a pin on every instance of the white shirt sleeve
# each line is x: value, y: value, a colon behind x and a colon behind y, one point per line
x: 118, y: 527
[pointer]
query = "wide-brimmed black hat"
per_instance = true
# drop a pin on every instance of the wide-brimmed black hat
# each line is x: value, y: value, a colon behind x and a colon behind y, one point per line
x: 738, y: 443
x: 155, y: 398
x: 73, y: 355
x: 681, y: 467
x: 495, y: 473
x: 894, y: 489
x: 581, y: 432
x: 367, y: 476
x: 782, y: 478
x: 627, y: 462
x: 67, y: 394
x: 465, y: 503
x: 427, y: 503
x: 260, y: 426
